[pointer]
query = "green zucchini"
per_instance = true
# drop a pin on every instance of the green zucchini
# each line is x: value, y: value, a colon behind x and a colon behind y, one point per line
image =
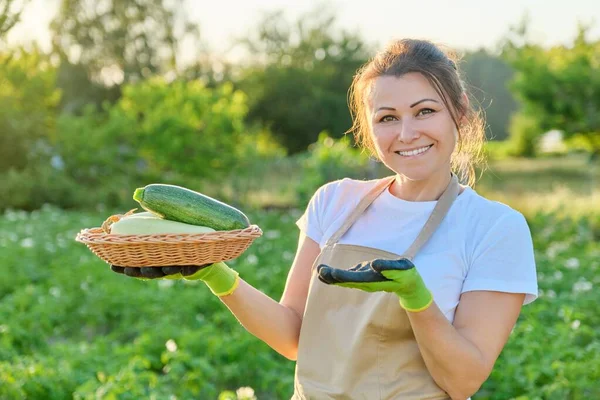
x: 180, y: 204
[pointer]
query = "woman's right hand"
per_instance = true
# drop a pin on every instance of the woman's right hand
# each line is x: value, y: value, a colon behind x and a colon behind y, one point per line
x: 170, y: 272
x: 221, y: 279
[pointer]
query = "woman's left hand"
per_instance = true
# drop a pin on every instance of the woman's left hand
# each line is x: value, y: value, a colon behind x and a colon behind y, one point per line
x: 394, y: 276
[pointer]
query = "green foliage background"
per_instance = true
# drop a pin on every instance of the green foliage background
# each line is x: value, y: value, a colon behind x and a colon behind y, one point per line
x: 110, y: 108
x: 72, y: 327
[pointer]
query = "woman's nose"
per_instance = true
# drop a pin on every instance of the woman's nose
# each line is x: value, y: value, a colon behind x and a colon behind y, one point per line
x: 407, y: 132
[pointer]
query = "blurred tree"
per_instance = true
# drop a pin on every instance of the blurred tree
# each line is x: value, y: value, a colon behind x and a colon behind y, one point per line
x: 559, y: 87
x: 298, y: 74
x: 9, y: 16
x: 488, y: 76
x: 179, y: 132
x: 79, y: 90
x: 156, y: 127
x: 28, y: 100
x: 121, y: 41
x: 103, y: 44
x: 212, y: 68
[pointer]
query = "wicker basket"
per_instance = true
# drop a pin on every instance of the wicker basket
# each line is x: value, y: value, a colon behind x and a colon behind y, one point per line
x: 168, y: 249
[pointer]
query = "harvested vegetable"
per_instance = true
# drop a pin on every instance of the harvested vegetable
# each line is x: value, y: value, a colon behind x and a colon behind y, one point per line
x: 176, y: 203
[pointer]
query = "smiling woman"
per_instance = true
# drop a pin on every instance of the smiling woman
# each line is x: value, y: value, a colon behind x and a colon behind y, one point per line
x: 405, y: 287
x: 431, y: 329
x: 411, y: 96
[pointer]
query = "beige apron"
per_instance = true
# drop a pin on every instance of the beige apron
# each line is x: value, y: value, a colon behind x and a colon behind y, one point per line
x: 360, y: 345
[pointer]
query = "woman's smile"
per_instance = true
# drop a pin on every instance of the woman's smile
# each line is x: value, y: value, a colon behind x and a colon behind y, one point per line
x: 415, y: 153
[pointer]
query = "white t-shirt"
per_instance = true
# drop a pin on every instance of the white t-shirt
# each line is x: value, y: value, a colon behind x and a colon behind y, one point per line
x: 480, y: 244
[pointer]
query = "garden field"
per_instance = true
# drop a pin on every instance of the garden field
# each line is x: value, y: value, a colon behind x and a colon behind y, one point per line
x: 71, y: 328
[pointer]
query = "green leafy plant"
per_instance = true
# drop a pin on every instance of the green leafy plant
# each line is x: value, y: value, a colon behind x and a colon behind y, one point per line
x: 72, y: 328
x: 329, y: 159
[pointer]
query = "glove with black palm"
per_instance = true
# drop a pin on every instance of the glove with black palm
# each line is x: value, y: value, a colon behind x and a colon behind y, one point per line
x: 220, y: 279
x: 393, y: 276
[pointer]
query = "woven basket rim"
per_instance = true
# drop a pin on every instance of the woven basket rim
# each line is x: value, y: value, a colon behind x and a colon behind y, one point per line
x: 96, y: 234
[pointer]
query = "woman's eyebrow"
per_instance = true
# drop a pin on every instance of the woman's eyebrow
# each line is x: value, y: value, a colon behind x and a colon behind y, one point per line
x: 420, y: 101
x: 411, y: 106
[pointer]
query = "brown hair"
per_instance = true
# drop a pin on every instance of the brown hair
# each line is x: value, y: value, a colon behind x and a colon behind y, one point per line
x: 440, y: 68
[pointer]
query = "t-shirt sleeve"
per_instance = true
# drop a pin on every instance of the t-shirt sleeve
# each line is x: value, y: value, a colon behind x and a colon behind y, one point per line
x: 311, y: 222
x: 504, y: 260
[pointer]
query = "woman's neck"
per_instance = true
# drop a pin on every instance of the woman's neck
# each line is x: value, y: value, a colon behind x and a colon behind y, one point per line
x: 430, y: 189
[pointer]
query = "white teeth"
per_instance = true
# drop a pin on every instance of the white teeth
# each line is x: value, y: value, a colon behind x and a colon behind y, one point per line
x: 414, y: 152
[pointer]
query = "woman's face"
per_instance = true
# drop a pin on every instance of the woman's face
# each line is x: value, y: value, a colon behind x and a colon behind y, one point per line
x: 412, y: 129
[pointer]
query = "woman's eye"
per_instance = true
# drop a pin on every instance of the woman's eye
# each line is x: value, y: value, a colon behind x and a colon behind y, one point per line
x: 425, y: 111
x: 387, y: 118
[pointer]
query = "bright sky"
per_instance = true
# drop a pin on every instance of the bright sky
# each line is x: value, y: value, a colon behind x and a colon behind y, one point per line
x: 464, y: 24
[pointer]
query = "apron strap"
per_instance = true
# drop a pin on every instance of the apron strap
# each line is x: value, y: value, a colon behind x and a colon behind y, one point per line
x: 437, y: 215
x: 439, y: 212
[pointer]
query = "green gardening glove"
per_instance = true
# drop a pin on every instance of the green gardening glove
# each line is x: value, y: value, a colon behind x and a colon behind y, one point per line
x: 219, y: 278
x: 381, y: 275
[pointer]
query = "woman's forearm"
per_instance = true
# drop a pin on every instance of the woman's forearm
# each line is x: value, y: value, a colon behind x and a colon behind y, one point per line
x: 273, y: 323
x: 455, y: 363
